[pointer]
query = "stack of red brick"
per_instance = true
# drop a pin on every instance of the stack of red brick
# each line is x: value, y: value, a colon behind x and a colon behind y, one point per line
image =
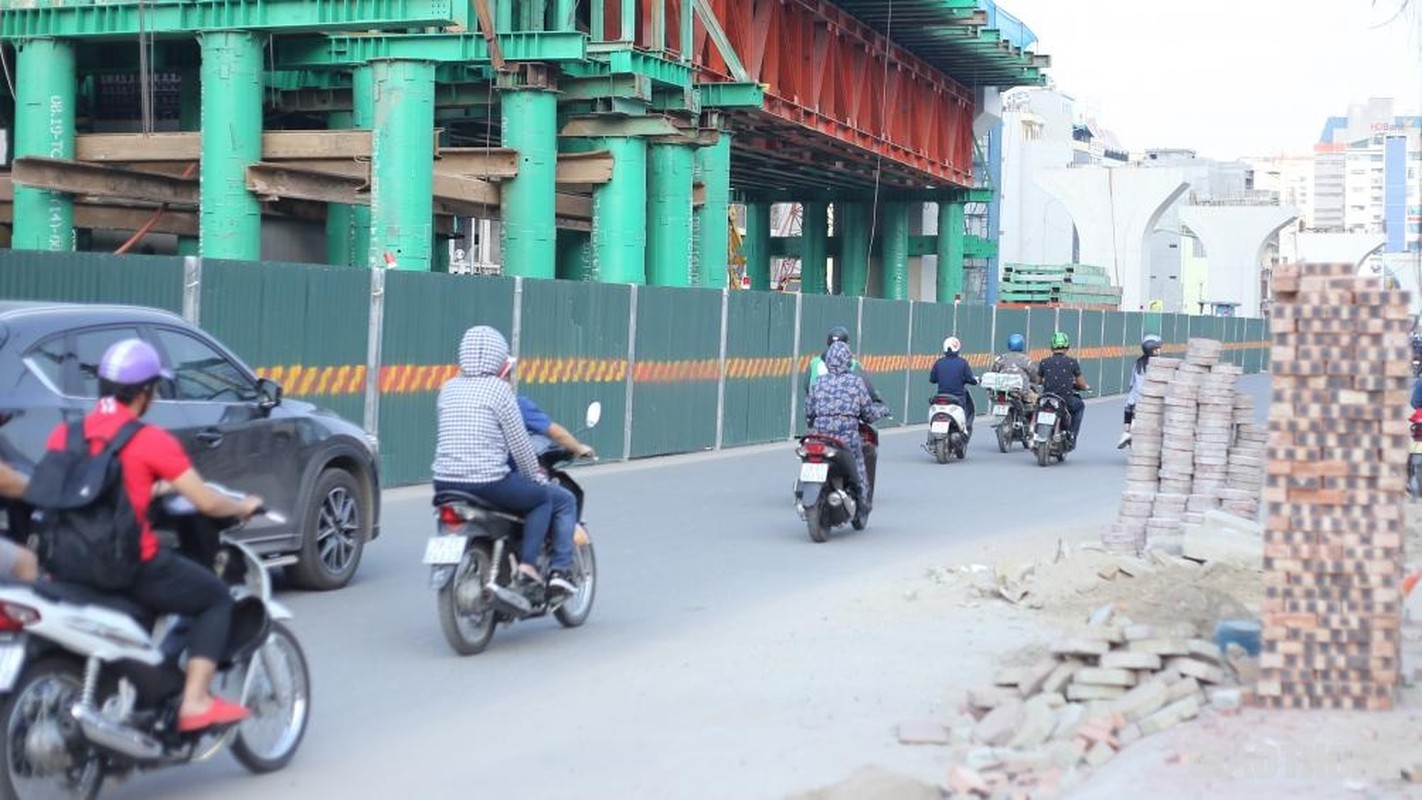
x: 1333, y: 557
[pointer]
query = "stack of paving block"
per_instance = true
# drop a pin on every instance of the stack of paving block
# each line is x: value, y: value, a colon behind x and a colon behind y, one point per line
x: 1104, y: 686
x: 1193, y: 451
x: 1333, y: 556
x: 1128, y: 534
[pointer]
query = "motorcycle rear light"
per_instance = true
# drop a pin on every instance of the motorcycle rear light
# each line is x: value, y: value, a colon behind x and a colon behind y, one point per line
x: 15, y: 617
x: 1417, y: 431
x: 449, y: 517
x: 815, y: 448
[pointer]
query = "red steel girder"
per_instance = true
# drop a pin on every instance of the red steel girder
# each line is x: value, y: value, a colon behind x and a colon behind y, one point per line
x: 826, y: 71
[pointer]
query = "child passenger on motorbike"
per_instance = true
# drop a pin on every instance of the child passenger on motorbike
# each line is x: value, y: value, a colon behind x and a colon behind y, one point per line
x: 835, y: 406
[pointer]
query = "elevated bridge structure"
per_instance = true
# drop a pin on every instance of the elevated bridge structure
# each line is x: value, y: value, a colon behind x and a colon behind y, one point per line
x: 608, y: 137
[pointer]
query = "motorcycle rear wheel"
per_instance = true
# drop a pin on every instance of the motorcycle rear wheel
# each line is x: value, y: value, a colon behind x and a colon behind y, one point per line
x: 468, y: 631
x: 1004, y: 434
x: 818, y: 534
x: 575, y: 611
x: 292, y: 701
x: 941, y: 450
x: 1044, y: 453
x: 42, y: 695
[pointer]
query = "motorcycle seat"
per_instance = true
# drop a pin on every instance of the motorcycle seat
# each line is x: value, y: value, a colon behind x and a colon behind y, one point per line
x: 80, y: 595
x: 945, y: 400
x: 448, y: 496
x: 820, y: 437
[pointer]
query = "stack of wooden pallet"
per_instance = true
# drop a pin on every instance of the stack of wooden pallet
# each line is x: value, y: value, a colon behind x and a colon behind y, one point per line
x: 1057, y: 284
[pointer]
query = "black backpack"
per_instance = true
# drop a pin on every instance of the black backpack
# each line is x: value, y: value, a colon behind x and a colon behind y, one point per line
x: 87, y: 529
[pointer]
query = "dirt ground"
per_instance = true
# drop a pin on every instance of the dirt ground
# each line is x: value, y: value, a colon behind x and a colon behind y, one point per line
x: 1249, y: 753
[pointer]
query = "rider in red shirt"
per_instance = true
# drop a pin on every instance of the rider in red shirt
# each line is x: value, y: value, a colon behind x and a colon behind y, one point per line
x: 166, y: 583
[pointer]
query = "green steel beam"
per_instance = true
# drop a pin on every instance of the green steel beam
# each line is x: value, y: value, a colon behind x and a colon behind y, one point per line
x: 45, y: 88
x: 894, y: 259
x: 528, y: 225
x: 636, y: 88
x: 338, y: 216
x: 669, y: 213
x: 978, y: 247
x: 619, y: 230
x: 713, y: 233
x: 974, y: 195
x: 731, y: 95
x: 124, y: 19
x: 814, y: 248
x: 331, y: 52
x: 229, y: 216
x: 402, y: 183
x: 950, y: 251
x: 721, y: 40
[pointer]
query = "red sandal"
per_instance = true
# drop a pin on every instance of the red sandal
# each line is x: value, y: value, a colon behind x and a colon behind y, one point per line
x: 220, y: 712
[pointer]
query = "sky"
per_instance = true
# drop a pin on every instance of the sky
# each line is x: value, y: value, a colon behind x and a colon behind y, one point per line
x: 1227, y: 79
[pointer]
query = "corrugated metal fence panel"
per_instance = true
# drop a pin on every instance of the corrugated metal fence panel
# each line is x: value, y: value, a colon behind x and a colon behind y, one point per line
x: 1096, y: 355
x: 883, y: 351
x: 677, y: 370
x: 1041, y: 324
x: 974, y: 329
x: 302, y: 326
x: 426, y: 315
x: 932, y: 322
x: 574, y: 351
x: 819, y: 313
x: 155, y: 281
x: 760, y: 344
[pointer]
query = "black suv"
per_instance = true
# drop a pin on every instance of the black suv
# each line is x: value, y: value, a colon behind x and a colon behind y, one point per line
x: 305, y: 461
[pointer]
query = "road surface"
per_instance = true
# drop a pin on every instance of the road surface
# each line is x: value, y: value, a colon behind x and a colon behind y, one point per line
x: 727, y: 656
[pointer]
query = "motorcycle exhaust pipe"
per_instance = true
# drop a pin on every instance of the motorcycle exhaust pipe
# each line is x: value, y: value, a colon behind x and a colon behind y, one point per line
x: 840, y: 498
x: 509, y: 601
x: 110, y: 735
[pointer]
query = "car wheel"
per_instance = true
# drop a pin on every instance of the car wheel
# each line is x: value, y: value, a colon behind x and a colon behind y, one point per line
x: 336, y: 528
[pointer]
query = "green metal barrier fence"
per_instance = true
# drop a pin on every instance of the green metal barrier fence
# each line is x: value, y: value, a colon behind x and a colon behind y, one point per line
x: 676, y: 370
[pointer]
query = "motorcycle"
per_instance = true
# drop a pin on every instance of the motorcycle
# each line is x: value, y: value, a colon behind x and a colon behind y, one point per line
x: 824, y: 494
x: 473, y: 559
x: 947, y: 428
x: 1051, y: 427
x: 1009, y: 409
x: 1414, y: 457
x: 92, y: 682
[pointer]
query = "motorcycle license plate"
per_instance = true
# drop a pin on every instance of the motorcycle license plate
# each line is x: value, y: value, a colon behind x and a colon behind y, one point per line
x: 814, y: 473
x: 1416, y: 448
x: 444, y: 549
x: 938, y: 427
x: 12, y: 658
x: 999, y: 410
x: 1046, y: 418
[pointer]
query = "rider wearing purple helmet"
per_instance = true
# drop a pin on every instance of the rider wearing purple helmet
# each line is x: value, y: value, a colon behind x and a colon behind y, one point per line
x: 167, y: 583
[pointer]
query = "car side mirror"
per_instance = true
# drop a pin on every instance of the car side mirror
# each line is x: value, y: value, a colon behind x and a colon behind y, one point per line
x: 268, y: 395
x: 594, y: 414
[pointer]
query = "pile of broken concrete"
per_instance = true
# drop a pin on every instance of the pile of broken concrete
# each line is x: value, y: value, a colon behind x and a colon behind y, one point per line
x: 1102, y: 687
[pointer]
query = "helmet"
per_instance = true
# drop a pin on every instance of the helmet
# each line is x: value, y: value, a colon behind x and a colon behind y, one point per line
x: 1016, y: 343
x: 131, y: 362
x: 952, y: 345
x: 1060, y: 341
x: 1150, y: 343
x: 838, y: 333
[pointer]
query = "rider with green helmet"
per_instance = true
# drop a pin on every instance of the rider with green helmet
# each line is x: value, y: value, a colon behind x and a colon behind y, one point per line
x: 1061, y: 376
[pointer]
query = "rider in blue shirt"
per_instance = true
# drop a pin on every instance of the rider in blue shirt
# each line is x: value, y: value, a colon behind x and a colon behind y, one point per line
x: 565, y: 506
x: 954, y: 375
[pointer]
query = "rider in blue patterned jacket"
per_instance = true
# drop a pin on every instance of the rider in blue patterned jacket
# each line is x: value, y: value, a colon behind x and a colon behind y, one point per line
x: 837, y: 403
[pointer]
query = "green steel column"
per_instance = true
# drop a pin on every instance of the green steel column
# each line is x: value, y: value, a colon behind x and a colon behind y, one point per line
x: 814, y: 248
x: 852, y: 224
x: 402, y: 163
x: 619, y: 234
x: 529, y: 230
x: 756, y: 245
x: 895, y: 254
x: 189, y: 119
x: 713, y: 221
x: 338, y: 215
x: 951, y: 232
x: 230, y: 217
x: 44, y: 114
x: 362, y: 118
x: 573, y: 255
x: 669, y: 220
x: 563, y: 11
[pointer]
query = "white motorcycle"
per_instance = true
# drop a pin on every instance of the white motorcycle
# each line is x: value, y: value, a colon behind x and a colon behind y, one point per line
x: 947, y: 428
x: 92, y: 682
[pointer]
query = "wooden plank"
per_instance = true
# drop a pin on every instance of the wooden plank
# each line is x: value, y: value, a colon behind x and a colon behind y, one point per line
x: 271, y: 181
x: 187, y: 146
x: 585, y: 169
x: 95, y: 180
x: 118, y: 218
x: 496, y: 163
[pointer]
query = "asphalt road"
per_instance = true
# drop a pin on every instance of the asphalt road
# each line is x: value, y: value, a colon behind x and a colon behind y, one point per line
x: 711, y: 666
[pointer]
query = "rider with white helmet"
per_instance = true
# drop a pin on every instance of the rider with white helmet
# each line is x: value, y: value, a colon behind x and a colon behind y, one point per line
x: 1150, y: 343
x: 953, y: 375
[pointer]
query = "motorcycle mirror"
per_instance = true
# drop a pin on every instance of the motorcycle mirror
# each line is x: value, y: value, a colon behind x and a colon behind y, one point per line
x: 594, y: 414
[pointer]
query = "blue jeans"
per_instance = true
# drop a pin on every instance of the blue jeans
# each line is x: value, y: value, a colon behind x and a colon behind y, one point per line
x: 519, y: 495
x: 565, y: 520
